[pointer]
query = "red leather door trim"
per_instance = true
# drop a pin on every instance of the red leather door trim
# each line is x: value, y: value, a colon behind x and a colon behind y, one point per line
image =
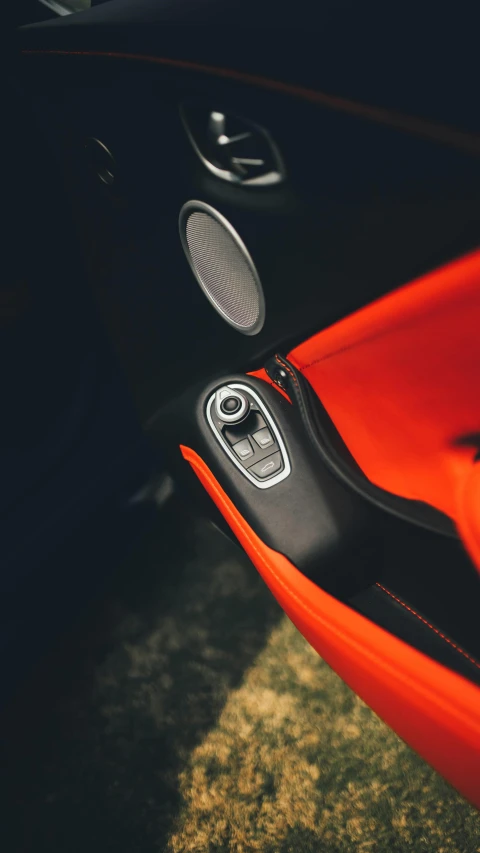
x: 400, y: 381
x: 436, y: 711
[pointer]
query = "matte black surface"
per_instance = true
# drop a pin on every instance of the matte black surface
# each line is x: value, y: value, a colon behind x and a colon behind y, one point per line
x: 72, y: 451
x: 364, y: 209
x: 436, y: 576
x: 310, y: 516
x: 325, y: 439
x: 412, y: 627
x: 419, y: 58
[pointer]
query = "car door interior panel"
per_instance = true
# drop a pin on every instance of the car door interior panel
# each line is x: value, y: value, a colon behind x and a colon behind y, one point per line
x: 433, y: 709
x: 283, y: 265
x: 417, y: 351
x: 350, y: 223
x: 300, y: 509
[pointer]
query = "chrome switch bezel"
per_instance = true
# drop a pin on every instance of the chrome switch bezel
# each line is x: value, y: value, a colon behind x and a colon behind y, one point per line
x: 260, y: 484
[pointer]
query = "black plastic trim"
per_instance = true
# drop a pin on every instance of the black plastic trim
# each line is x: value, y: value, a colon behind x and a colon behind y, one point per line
x: 324, y: 528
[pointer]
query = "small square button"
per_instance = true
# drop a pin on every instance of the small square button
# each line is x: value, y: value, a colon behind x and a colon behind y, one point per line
x: 243, y: 449
x: 263, y: 438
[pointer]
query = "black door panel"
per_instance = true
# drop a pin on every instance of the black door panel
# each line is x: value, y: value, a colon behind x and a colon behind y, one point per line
x: 375, y: 126
x: 71, y: 445
x: 364, y: 209
x: 416, y: 60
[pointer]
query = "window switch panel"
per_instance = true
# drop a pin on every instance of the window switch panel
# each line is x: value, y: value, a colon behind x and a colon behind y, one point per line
x: 255, y: 445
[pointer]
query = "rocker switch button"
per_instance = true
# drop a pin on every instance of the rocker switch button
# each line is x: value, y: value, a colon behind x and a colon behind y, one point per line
x: 263, y: 438
x: 243, y: 449
x: 267, y: 467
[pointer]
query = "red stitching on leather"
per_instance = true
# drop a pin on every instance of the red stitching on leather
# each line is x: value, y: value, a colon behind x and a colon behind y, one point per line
x: 414, y: 612
x: 285, y: 367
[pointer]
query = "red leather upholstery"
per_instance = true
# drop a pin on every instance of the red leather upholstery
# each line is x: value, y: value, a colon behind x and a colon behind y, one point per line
x: 436, y: 711
x: 400, y: 381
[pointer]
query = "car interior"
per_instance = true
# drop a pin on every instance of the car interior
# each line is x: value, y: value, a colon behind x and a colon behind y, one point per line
x: 242, y: 269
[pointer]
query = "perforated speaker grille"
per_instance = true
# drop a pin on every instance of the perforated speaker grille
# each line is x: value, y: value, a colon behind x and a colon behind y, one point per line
x: 222, y: 267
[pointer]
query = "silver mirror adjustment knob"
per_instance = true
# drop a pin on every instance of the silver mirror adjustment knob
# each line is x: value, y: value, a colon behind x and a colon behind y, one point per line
x: 231, y: 406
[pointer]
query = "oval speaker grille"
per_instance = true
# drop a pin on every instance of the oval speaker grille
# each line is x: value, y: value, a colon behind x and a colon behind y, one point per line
x: 222, y: 267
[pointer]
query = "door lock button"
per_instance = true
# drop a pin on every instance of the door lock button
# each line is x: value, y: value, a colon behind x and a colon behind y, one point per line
x: 243, y: 449
x: 267, y: 467
x: 263, y: 438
